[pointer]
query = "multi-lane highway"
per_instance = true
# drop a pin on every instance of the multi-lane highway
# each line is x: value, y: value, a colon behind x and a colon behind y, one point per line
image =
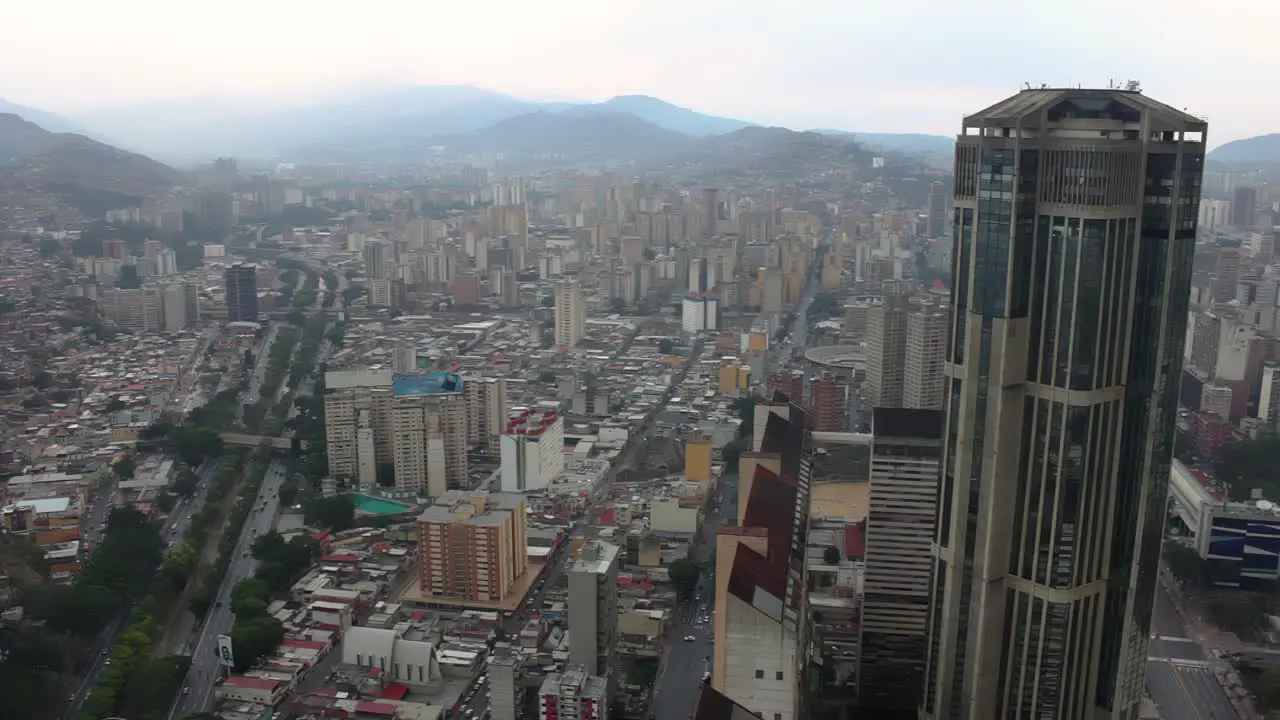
x: 175, y: 531
x: 1179, y: 677
x: 204, y: 660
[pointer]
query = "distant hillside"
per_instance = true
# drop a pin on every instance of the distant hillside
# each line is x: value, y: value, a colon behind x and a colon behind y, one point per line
x: 600, y: 136
x: 665, y: 115
x: 760, y: 152
x: 912, y: 143
x: 45, y: 119
x: 72, y: 170
x: 1260, y: 150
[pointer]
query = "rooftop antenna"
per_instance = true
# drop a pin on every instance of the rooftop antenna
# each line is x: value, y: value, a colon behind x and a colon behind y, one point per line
x: 1026, y: 86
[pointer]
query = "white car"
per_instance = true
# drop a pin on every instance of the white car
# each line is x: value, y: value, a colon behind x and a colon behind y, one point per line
x: 689, y: 638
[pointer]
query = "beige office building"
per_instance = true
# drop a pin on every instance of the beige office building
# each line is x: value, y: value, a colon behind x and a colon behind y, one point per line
x: 1075, y: 231
x: 926, y: 349
x: 571, y: 314
x: 886, y: 351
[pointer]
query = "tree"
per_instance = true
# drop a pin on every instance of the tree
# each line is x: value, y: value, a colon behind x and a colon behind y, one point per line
x: 192, y: 443
x: 186, y: 483
x: 182, y: 559
x: 746, y: 411
x: 76, y: 609
x: 288, y: 492
x: 249, y: 589
x: 253, y: 638
x: 41, y: 380
x: 125, y: 467
x: 547, y: 376
x: 115, y: 405
x: 831, y: 555
x: 165, y: 502
x: 731, y: 452
x: 666, y: 347
x: 1185, y: 563
x: 1250, y: 465
x: 334, y: 513
x: 684, y: 574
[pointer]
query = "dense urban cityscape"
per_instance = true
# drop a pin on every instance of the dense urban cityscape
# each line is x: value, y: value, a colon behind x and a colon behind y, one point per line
x: 594, y: 418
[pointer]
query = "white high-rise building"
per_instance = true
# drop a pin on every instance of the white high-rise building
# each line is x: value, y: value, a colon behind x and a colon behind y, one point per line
x: 701, y: 307
x: 571, y: 315
x: 532, y: 450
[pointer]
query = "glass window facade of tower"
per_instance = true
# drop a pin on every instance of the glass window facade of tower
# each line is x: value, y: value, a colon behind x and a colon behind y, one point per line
x: 1074, y: 231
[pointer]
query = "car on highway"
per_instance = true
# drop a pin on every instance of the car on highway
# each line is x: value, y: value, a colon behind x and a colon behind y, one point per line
x: 689, y: 638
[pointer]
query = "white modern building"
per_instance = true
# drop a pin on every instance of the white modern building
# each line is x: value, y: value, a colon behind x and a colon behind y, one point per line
x: 532, y: 450
x: 403, y: 653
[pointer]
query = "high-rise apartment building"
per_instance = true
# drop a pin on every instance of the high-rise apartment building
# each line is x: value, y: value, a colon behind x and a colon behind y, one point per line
x: 1244, y: 206
x: 829, y: 402
x: 886, y: 351
x: 173, y: 306
x: 574, y: 694
x: 700, y: 308
x: 412, y: 425
x: 487, y: 412
x: 1074, y: 234
x: 532, y: 450
x: 472, y: 545
x: 1226, y: 276
x: 926, y: 351
x: 936, y: 220
x: 906, y: 458
x: 593, y: 607
x: 242, y: 293
x: 379, y: 258
x: 571, y: 314
x: 138, y: 310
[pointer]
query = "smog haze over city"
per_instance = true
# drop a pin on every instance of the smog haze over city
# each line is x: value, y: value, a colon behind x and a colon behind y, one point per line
x: 665, y: 360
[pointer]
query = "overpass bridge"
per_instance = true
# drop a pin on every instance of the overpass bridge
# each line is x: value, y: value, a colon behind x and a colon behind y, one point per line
x: 278, y: 443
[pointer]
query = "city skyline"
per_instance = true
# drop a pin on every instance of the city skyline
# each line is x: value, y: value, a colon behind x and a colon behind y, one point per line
x: 707, y: 56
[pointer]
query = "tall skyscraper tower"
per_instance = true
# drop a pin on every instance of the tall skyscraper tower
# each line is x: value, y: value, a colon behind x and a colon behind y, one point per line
x: 937, y: 209
x: 906, y: 455
x: 1074, y: 234
x: 242, y: 292
x: 571, y: 314
x: 1244, y: 206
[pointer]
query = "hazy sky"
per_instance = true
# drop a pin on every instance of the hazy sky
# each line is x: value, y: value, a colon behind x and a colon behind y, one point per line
x: 870, y: 65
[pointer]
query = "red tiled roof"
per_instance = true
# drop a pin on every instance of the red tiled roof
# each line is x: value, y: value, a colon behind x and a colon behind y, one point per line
x: 341, y: 557
x: 312, y: 644
x: 855, y: 541
x: 252, y: 682
x: 394, y: 691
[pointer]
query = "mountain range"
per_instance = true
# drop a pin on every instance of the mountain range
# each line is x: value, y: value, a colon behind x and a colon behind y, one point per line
x: 39, y: 168
x: 357, y: 122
